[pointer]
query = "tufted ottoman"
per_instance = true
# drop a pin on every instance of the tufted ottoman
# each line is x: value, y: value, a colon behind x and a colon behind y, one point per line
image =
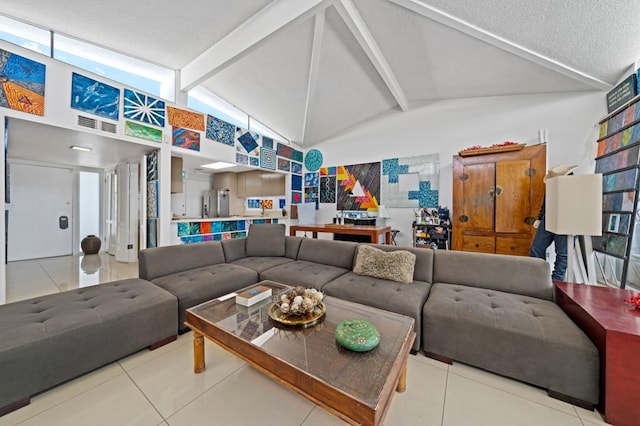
x: 523, y: 337
x: 48, y: 340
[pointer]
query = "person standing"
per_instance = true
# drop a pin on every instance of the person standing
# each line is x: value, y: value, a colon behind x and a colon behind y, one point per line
x: 543, y: 238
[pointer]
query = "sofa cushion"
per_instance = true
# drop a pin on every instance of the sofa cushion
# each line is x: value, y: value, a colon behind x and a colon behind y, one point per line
x: 160, y: 261
x: 394, y: 265
x: 517, y: 336
x: 234, y: 249
x: 389, y: 295
x: 328, y: 252
x: 527, y: 276
x: 201, y: 284
x: 423, y: 269
x: 261, y: 264
x: 266, y: 239
x: 303, y: 273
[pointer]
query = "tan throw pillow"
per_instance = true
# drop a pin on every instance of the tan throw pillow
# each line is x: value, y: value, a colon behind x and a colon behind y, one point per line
x: 393, y: 265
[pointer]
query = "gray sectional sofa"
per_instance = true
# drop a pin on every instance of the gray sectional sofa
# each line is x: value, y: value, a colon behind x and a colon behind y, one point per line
x: 491, y: 311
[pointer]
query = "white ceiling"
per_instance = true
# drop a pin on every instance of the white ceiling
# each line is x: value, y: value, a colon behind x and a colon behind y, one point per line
x: 311, y: 69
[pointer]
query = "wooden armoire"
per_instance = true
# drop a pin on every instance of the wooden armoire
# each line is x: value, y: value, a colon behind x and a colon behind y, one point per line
x: 496, y: 199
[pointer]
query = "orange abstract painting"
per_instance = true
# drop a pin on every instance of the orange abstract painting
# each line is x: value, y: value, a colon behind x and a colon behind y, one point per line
x: 183, y: 118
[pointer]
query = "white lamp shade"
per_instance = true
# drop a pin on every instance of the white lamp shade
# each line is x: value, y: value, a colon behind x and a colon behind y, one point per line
x: 383, y: 212
x: 574, y: 205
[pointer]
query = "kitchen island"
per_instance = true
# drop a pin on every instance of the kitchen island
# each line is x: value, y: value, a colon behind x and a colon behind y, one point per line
x: 185, y: 230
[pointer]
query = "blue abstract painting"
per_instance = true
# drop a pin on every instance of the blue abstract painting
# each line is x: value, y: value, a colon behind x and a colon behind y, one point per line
x: 22, y: 85
x: 311, y: 179
x: 241, y: 158
x: 296, y: 183
x: 247, y: 141
x: 97, y: 98
x: 143, y: 108
x: 185, y: 138
x: 410, y: 181
x: 220, y: 131
x: 296, y: 168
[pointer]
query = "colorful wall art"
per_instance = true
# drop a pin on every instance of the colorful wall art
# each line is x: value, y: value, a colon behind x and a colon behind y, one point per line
x: 141, y: 131
x: 284, y: 164
x: 183, y: 118
x: 143, y: 108
x: 327, y: 189
x: 22, y: 83
x: 220, y: 131
x: 288, y: 152
x: 296, y: 168
x: 97, y: 98
x: 358, y: 186
x: 410, y: 181
x: 185, y: 138
x: 267, y: 158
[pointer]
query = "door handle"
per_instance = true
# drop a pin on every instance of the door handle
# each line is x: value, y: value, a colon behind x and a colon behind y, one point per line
x: 63, y: 222
x: 499, y: 189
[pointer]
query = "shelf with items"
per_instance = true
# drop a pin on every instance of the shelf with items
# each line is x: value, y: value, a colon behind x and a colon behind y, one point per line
x: 431, y: 236
x: 618, y: 159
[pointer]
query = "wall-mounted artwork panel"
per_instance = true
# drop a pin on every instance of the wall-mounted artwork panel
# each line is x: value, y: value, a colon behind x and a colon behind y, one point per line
x: 22, y: 83
x: 96, y: 98
x: 410, y: 182
x: 358, y: 186
x: 143, y: 108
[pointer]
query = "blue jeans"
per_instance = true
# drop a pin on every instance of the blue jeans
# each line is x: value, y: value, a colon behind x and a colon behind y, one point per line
x: 542, y: 240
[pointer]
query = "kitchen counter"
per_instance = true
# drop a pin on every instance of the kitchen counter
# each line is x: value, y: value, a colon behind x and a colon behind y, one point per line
x: 187, y: 230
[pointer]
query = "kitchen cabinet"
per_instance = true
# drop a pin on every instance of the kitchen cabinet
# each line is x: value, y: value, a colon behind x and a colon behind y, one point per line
x: 260, y: 184
x: 496, y: 199
x: 176, y: 175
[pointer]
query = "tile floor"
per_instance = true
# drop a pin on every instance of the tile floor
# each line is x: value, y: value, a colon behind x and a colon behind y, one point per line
x: 159, y: 388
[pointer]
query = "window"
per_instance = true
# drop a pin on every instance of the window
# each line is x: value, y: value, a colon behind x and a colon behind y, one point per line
x: 129, y: 71
x: 201, y: 99
x: 25, y: 35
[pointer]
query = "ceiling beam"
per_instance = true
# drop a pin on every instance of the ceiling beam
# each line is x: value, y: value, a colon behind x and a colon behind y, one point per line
x: 501, y: 43
x: 358, y: 28
x: 247, y: 36
x: 318, y: 34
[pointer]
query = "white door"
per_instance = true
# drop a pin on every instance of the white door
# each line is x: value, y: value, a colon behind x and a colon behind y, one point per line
x: 40, y: 212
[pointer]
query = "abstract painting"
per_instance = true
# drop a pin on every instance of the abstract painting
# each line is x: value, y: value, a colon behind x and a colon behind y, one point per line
x: 267, y: 142
x: 141, y: 131
x: 311, y: 179
x: 143, y: 108
x: 267, y: 158
x: 358, y: 186
x: 327, y: 189
x: 296, y: 183
x: 282, y: 203
x: 328, y: 171
x: 247, y: 141
x: 152, y: 199
x: 183, y: 118
x: 253, y: 203
x: 185, y: 138
x: 220, y: 131
x: 284, y: 164
x: 22, y: 83
x: 267, y: 204
x: 289, y: 152
x: 410, y: 181
x: 97, y: 98
x: 152, y: 166
x: 296, y: 197
x: 310, y: 194
x: 254, y: 161
x: 242, y: 159
x: 296, y: 168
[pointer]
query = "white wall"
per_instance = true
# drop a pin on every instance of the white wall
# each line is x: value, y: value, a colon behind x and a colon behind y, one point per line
x: 447, y: 127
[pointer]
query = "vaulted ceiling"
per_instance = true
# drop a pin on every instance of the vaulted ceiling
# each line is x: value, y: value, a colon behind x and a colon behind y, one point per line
x: 311, y: 69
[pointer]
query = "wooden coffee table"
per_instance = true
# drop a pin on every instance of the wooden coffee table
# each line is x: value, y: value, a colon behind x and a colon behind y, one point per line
x: 355, y: 386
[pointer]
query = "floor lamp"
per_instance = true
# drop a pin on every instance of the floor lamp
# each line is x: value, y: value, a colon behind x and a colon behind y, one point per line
x: 574, y: 207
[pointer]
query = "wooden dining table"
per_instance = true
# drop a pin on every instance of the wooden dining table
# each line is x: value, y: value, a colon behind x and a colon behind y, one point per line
x: 372, y: 231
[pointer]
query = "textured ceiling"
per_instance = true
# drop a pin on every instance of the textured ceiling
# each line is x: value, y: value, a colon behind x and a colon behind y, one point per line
x: 312, y: 69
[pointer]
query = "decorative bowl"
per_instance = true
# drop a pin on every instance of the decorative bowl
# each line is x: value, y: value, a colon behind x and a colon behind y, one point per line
x: 307, y: 320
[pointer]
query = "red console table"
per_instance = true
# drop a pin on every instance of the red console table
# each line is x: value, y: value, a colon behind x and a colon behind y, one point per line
x: 614, y: 327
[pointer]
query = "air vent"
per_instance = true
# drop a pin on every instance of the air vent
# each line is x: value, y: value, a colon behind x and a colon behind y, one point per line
x: 88, y: 122
x: 108, y: 127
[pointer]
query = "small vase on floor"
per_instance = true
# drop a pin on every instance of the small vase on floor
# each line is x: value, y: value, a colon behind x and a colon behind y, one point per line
x: 90, y: 244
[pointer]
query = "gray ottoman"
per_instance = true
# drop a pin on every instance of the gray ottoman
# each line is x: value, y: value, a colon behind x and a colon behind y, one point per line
x: 517, y: 336
x: 48, y: 340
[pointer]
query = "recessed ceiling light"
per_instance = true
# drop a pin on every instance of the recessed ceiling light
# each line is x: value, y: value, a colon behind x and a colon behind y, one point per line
x: 218, y: 165
x: 81, y: 148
